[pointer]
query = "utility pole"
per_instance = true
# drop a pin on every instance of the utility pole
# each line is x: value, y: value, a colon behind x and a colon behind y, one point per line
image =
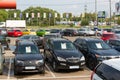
x: 96, y: 13
x: 85, y: 10
x: 110, y: 11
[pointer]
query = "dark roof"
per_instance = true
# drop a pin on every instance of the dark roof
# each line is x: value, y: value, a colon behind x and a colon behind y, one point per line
x: 25, y: 42
x: 59, y: 39
x: 90, y: 39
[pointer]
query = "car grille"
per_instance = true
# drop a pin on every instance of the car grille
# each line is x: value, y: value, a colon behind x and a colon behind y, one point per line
x: 29, y: 63
x: 73, y: 60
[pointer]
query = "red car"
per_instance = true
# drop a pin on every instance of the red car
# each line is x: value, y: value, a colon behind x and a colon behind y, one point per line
x: 14, y: 33
x: 108, y: 35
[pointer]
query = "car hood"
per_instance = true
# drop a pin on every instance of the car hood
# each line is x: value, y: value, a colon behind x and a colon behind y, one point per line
x: 24, y: 57
x: 108, y: 52
x: 68, y: 53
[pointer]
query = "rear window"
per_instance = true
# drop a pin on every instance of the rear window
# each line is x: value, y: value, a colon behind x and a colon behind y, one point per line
x: 107, y: 72
x: 108, y: 35
x: 18, y: 31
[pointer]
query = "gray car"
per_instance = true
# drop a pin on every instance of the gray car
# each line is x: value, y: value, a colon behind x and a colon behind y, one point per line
x: 1, y: 59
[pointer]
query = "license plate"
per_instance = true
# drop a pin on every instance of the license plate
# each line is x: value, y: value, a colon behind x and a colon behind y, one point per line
x: 30, y: 67
x: 74, y: 67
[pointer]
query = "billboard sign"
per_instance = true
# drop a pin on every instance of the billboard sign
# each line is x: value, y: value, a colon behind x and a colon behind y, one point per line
x: 117, y: 8
x: 102, y: 14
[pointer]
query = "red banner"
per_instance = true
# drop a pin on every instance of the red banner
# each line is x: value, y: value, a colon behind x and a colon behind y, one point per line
x: 7, y: 4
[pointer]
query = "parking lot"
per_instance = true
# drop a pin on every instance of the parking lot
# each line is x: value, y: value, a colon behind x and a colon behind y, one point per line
x: 8, y: 73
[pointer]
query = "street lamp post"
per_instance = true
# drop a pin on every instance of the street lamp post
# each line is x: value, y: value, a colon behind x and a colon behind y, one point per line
x: 96, y: 13
x: 110, y: 10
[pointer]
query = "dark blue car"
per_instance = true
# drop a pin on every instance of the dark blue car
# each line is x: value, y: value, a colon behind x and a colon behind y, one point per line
x: 95, y: 51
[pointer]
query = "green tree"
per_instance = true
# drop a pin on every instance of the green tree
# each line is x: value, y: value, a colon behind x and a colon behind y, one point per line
x: 84, y: 22
x: 3, y: 15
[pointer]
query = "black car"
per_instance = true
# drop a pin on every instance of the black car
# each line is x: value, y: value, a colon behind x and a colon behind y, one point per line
x: 114, y: 43
x: 28, y: 58
x: 95, y: 51
x: 69, y: 32
x: 62, y: 54
x: 51, y: 35
x: 36, y: 39
x: 4, y: 41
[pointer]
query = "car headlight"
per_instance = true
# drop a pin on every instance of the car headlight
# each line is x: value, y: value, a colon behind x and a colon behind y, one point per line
x: 18, y: 61
x: 39, y: 61
x: 82, y: 58
x: 61, y: 59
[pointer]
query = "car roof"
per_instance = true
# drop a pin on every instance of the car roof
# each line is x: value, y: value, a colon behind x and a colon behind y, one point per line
x: 90, y: 39
x: 25, y: 42
x: 59, y: 39
x: 115, y: 63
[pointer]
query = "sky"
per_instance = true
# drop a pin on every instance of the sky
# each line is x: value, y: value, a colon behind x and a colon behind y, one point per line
x: 69, y: 6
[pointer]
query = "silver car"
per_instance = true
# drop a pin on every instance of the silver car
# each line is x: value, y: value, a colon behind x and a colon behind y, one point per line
x: 85, y: 32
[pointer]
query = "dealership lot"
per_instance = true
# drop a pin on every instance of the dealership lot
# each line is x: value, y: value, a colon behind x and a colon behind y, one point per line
x: 49, y: 73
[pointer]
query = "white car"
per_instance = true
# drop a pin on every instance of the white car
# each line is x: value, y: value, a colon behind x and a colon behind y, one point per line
x: 107, y: 70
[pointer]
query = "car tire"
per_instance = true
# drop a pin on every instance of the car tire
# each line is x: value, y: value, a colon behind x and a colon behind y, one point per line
x: 84, y: 34
x: 92, y: 63
x: 46, y: 59
x: 15, y: 71
x: 55, y: 66
x: 1, y: 70
x: 98, y: 34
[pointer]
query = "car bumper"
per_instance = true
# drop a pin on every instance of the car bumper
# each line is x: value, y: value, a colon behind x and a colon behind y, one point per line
x: 64, y: 65
x: 29, y: 68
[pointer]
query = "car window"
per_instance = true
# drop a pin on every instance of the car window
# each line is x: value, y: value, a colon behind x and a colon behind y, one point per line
x: 32, y: 30
x: 108, y: 35
x: 27, y: 49
x: 63, y: 46
x: 25, y: 30
x: 118, y: 43
x: 2, y: 37
x: 98, y: 45
x: 106, y: 72
x: 81, y: 30
x: 18, y: 31
x: 118, y: 32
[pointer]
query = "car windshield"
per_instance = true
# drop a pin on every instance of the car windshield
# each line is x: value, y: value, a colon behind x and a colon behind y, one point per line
x: 98, y: 45
x: 108, y: 35
x: 54, y: 31
x: 2, y: 37
x: 27, y: 49
x: 118, y: 32
x: 63, y: 46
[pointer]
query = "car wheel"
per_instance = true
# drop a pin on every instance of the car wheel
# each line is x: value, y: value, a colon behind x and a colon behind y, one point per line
x: 84, y: 34
x: 1, y: 69
x: 92, y: 63
x: 45, y: 57
x: 55, y: 66
x: 15, y: 72
x: 98, y: 34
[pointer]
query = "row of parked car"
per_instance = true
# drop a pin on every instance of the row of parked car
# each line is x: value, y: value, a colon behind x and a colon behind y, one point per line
x: 42, y: 32
x: 61, y: 53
